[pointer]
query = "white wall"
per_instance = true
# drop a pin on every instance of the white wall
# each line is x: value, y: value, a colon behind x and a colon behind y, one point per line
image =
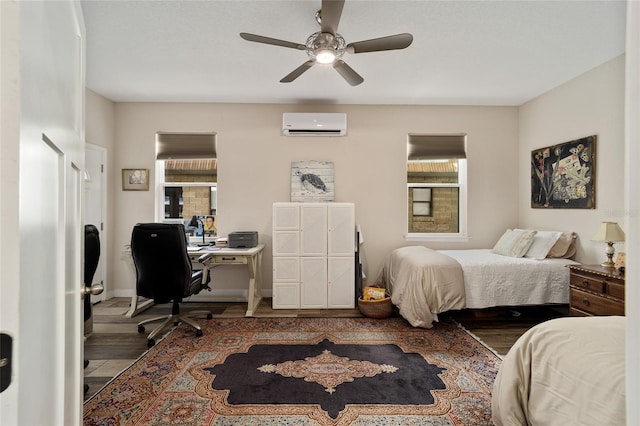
x: 370, y: 169
x: 592, y: 103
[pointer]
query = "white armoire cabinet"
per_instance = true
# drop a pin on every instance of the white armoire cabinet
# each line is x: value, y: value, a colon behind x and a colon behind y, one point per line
x: 313, y: 255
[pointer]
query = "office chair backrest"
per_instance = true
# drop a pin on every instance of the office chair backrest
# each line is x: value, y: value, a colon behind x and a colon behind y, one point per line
x: 163, y: 267
x: 91, y: 259
x: 91, y: 253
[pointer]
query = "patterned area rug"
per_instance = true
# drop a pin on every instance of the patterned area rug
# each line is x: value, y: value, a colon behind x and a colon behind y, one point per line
x: 304, y: 371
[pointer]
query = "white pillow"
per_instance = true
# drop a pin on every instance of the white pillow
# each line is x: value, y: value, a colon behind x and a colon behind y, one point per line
x: 514, y: 242
x: 542, y: 243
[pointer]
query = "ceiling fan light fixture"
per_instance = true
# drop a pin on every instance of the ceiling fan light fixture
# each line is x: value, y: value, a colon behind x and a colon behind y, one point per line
x: 325, y: 56
x: 325, y: 48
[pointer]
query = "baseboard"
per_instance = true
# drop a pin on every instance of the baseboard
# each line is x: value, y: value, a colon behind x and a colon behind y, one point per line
x: 215, y: 295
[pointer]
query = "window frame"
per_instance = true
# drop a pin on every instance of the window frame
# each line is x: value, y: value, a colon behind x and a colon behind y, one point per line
x: 461, y: 235
x: 161, y: 185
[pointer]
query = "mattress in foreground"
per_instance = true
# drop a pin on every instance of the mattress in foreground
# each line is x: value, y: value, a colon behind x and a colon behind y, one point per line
x: 564, y: 371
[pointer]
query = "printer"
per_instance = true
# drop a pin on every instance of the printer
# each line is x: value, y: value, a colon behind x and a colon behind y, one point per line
x: 243, y: 239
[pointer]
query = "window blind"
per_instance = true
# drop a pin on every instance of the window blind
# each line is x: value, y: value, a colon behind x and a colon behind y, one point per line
x: 436, y: 147
x: 185, y: 145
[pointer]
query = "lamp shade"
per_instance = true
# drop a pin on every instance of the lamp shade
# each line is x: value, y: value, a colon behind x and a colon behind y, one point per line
x: 609, y: 231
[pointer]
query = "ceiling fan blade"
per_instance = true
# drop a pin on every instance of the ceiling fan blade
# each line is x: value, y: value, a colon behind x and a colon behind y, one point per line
x: 297, y: 72
x: 352, y: 77
x: 393, y: 42
x: 273, y: 41
x: 330, y: 14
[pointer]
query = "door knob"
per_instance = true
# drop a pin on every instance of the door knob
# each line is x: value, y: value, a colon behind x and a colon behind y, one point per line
x: 95, y: 289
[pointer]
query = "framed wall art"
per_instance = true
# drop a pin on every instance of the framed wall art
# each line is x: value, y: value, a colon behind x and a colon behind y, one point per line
x: 311, y: 181
x: 135, y: 179
x: 564, y: 175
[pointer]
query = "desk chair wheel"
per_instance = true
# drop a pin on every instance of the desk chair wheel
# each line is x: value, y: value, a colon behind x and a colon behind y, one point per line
x: 150, y: 343
x: 209, y: 316
x: 198, y: 333
x: 141, y: 329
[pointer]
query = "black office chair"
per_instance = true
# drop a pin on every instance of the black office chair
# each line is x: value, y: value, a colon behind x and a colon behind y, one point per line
x: 164, y: 273
x: 91, y: 259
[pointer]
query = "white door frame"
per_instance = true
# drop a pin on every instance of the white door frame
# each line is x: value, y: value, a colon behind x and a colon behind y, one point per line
x: 101, y: 272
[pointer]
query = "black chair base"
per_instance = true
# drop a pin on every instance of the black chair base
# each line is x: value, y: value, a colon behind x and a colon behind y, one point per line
x: 175, y: 318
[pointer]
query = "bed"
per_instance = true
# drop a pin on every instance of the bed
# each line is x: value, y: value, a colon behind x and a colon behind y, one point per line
x: 564, y: 371
x: 425, y: 282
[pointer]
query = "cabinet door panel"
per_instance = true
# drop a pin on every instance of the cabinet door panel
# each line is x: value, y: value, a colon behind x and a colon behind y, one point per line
x: 286, y: 296
x: 313, y: 233
x: 341, y: 286
x: 286, y: 269
x: 341, y: 229
x: 286, y: 243
x: 313, y: 291
x: 286, y: 216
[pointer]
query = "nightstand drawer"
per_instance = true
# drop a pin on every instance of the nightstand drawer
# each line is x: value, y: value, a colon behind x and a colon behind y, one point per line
x: 585, y: 282
x: 615, y: 290
x: 593, y: 304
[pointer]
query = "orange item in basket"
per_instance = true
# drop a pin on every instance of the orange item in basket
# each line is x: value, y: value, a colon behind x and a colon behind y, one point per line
x: 374, y: 293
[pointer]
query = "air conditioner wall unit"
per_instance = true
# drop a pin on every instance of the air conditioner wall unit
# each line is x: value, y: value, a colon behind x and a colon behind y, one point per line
x: 314, y: 124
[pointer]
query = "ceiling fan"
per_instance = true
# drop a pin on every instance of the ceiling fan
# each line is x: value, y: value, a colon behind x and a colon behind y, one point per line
x: 327, y: 46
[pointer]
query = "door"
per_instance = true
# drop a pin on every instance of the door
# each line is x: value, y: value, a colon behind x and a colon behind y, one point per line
x: 42, y: 131
x: 313, y: 286
x: 95, y: 201
x: 313, y: 229
x: 286, y: 216
x: 340, y: 287
x: 341, y: 229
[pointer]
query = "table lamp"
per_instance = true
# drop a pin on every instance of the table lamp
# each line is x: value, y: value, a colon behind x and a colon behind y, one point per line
x: 609, y: 232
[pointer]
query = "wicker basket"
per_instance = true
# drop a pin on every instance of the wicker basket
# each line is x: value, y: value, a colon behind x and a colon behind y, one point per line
x: 376, y: 308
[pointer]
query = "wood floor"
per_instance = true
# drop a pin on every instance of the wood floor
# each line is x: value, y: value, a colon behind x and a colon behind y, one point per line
x: 115, y: 342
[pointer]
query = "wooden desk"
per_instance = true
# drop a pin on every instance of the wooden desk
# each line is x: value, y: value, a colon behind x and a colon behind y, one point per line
x: 252, y: 257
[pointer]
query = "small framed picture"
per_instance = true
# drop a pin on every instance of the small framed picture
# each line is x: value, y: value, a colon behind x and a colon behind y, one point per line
x: 135, y: 179
x: 620, y: 260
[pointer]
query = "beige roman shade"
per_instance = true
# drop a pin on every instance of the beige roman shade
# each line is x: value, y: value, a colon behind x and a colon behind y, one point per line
x: 171, y: 146
x: 436, y: 147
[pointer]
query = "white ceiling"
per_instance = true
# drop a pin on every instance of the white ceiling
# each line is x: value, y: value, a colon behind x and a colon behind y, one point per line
x: 482, y: 52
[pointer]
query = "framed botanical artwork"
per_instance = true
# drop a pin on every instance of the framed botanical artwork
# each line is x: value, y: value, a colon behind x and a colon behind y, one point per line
x: 563, y: 176
x: 135, y: 179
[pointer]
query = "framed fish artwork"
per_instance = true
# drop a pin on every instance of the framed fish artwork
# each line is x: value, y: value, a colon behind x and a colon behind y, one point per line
x: 311, y: 181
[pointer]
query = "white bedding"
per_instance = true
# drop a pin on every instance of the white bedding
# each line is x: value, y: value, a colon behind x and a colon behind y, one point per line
x: 494, y: 280
x: 567, y: 371
x: 425, y: 282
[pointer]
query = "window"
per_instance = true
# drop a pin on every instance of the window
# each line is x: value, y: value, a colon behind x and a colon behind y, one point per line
x: 436, y: 186
x: 186, y: 172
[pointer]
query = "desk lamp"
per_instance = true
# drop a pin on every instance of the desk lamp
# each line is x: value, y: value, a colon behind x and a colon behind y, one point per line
x: 609, y: 232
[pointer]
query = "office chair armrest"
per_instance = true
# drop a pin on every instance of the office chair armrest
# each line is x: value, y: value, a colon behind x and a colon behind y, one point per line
x: 205, y: 257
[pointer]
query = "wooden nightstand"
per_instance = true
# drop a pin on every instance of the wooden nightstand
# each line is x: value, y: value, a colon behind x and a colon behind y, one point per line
x: 595, y: 290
